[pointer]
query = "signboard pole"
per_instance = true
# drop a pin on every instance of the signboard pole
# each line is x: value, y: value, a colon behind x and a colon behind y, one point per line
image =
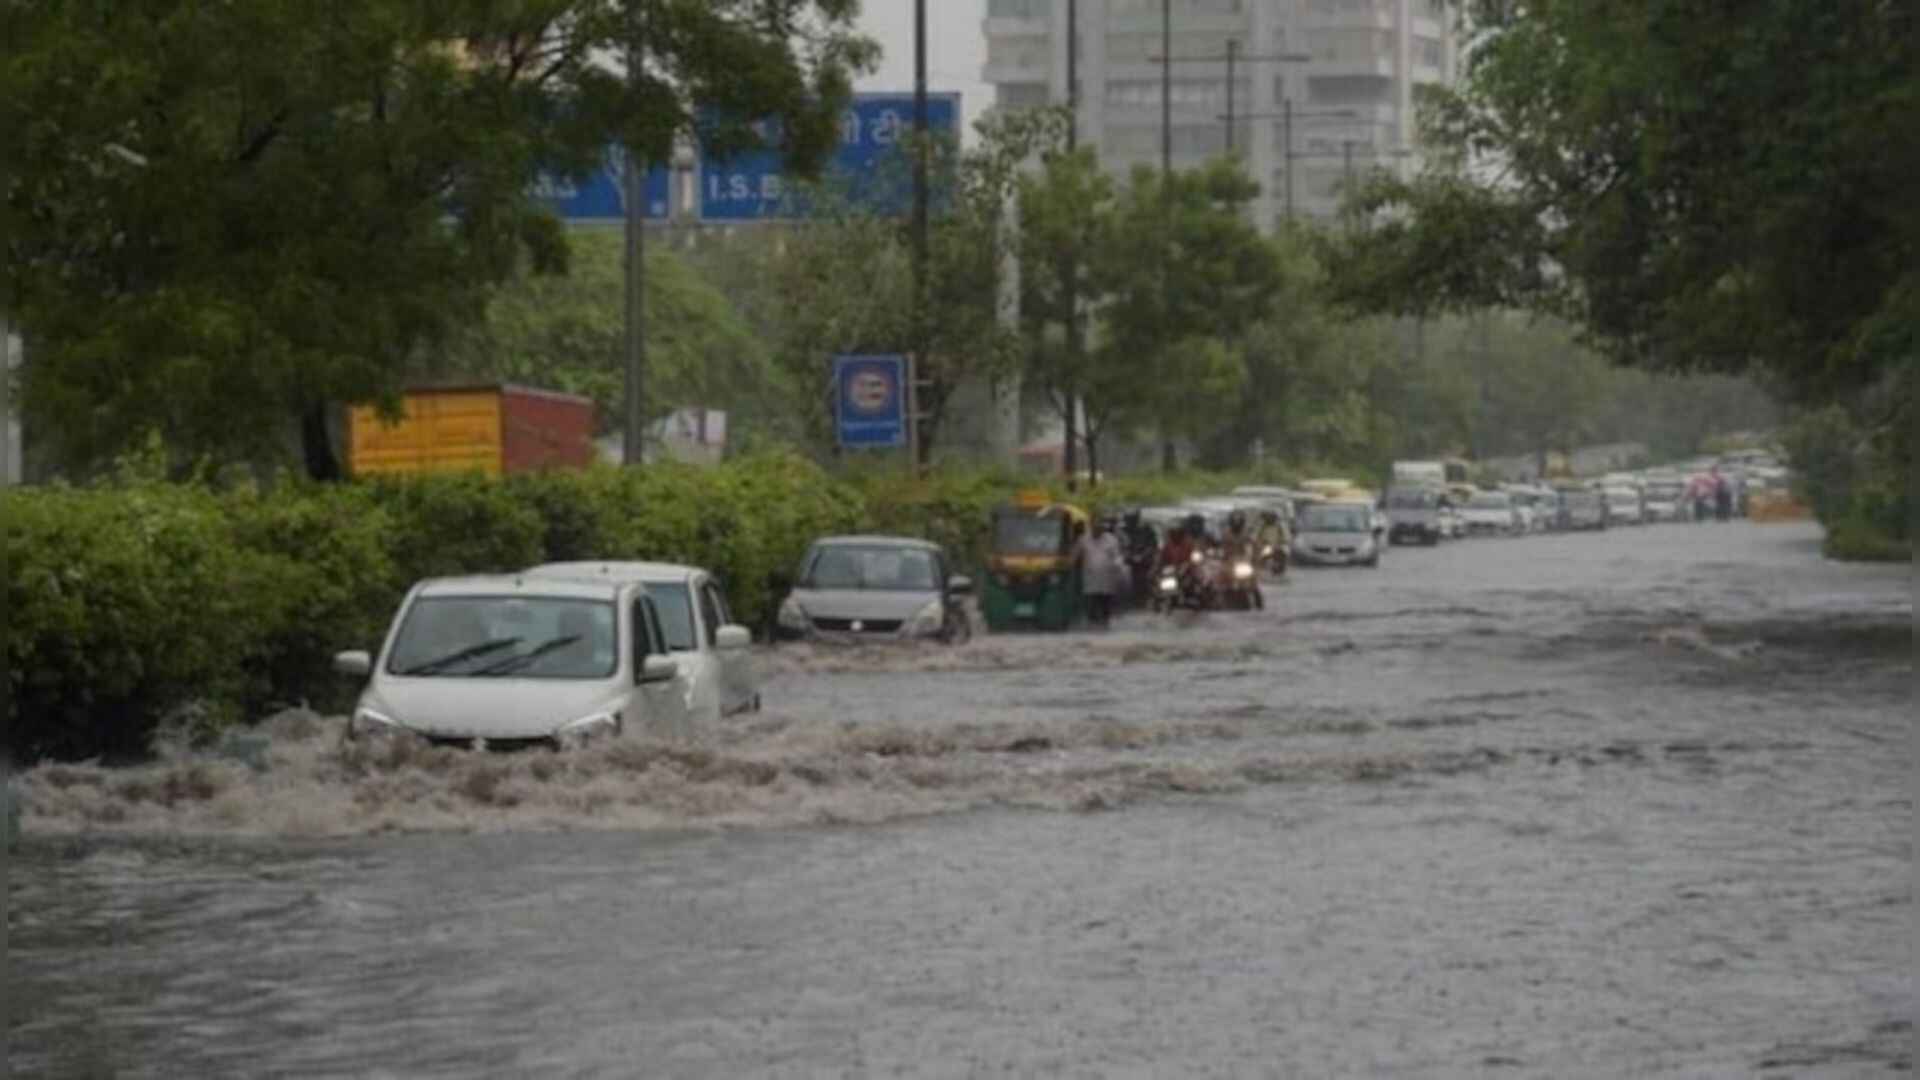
x: 633, y: 446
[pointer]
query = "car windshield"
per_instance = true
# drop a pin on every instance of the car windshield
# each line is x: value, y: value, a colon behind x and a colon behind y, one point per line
x: 1580, y: 498
x: 1666, y: 490
x: 534, y: 637
x: 883, y: 567
x: 1405, y: 499
x: 675, y: 604
x: 1027, y: 534
x: 1623, y: 494
x: 1329, y: 518
x: 1490, y: 500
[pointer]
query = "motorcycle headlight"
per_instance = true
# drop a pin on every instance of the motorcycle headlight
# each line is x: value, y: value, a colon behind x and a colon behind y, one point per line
x: 792, y: 615
x: 1195, y: 559
x: 1168, y: 583
x: 577, y: 733
x: 372, y: 722
x: 1242, y: 571
x: 928, y: 620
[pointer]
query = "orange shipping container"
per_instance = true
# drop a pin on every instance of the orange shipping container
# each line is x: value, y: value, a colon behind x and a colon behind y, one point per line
x: 490, y: 429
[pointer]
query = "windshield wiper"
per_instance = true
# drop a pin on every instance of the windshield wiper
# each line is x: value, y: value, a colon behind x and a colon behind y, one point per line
x: 515, y: 663
x: 467, y: 653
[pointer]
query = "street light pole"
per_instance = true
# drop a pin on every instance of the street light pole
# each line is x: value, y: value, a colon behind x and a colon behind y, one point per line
x: 1233, y: 50
x: 920, y: 152
x: 1070, y: 456
x: 633, y: 445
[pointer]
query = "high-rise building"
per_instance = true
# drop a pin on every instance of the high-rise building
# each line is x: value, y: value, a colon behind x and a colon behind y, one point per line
x: 1320, y: 89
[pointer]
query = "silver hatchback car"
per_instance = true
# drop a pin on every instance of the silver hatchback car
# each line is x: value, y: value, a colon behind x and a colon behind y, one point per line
x: 875, y: 588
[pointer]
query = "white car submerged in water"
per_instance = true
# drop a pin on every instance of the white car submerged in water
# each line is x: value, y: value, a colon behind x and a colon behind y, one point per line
x: 714, y: 653
x: 513, y: 660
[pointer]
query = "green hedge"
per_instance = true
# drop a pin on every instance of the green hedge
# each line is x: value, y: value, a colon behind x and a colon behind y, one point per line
x: 138, y: 600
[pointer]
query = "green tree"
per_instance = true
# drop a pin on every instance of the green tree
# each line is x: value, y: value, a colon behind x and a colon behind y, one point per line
x: 842, y: 280
x: 1065, y: 211
x: 1183, y: 263
x: 1695, y: 189
x: 566, y: 332
x: 221, y: 219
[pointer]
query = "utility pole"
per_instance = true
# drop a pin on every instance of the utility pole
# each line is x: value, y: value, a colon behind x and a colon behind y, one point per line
x: 1070, y: 286
x: 1169, y: 459
x: 633, y: 447
x: 920, y: 152
x: 1286, y: 152
x: 1233, y: 50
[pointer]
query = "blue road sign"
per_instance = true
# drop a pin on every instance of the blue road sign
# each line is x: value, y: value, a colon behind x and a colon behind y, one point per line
x: 870, y: 400
x: 601, y: 197
x: 752, y: 185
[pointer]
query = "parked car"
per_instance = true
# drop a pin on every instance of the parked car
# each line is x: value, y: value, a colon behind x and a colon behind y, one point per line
x: 876, y: 588
x: 1666, y: 499
x: 516, y: 660
x: 1491, y: 513
x: 1623, y: 505
x: 1582, y: 508
x: 714, y: 652
x: 1338, y: 533
x: 1414, y: 515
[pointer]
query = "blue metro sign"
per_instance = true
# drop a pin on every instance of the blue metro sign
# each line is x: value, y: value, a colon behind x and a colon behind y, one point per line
x: 600, y: 198
x: 752, y: 185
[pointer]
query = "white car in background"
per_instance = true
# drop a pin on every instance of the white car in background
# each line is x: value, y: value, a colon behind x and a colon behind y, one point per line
x: 714, y: 652
x: 1491, y: 513
x: 1623, y: 505
x: 509, y: 660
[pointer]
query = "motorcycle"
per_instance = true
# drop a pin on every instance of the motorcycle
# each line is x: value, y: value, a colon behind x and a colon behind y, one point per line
x: 1189, y: 586
x: 1273, y: 556
x: 1240, y: 585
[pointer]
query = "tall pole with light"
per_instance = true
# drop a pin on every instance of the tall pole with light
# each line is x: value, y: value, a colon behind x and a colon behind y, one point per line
x: 633, y: 446
x: 920, y: 153
x: 1070, y: 287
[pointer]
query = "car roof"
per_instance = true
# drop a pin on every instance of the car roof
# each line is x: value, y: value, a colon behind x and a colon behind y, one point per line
x: 524, y: 584
x: 653, y: 573
x: 879, y: 541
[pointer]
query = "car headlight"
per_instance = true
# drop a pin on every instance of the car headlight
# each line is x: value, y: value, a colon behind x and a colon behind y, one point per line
x: 928, y: 620
x: 373, y: 722
x: 792, y: 615
x: 575, y: 733
x: 1242, y: 570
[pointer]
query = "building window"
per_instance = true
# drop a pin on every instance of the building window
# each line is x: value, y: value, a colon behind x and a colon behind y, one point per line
x: 1015, y: 52
x: 1186, y: 93
x: 1018, y: 9
x: 1349, y: 90
x: 1021, y: 95
x: 1427, y: 51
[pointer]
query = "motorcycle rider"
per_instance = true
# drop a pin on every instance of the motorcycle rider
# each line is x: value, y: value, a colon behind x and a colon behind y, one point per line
x: 1238, y: 545
x: 1272, y: 536
x: 1142, y: 552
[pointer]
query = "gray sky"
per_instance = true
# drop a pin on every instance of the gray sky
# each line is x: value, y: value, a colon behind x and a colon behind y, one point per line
x: 956, y: 49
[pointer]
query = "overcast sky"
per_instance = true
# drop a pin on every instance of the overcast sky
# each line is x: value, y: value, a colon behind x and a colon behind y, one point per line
x: 956, y: 49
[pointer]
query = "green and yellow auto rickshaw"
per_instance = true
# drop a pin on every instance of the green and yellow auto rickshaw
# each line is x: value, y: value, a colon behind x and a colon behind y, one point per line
x: 1031, y: 582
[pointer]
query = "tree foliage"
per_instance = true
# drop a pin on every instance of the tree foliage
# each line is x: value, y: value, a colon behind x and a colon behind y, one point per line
x: 567, y: 332
x: 843, y: 281
x: 222, y: 217
x: 1696, y: 188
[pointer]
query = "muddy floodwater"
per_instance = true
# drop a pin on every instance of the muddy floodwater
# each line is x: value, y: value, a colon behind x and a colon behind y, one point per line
x: 1621, y: 804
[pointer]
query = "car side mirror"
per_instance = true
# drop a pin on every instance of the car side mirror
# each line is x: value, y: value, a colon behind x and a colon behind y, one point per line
x: 960, y: 585
x: 357, y: 663
x: 732, y: 638
x: 657, y: 669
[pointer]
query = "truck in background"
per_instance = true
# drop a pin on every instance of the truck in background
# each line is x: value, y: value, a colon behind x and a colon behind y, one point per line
x: 493, y: 429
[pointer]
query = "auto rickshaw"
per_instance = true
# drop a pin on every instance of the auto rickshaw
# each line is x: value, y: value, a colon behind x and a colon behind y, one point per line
x: 1032, y: 581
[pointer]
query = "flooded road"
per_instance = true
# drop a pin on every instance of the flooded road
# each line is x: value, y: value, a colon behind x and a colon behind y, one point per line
x: 1632, y: 803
